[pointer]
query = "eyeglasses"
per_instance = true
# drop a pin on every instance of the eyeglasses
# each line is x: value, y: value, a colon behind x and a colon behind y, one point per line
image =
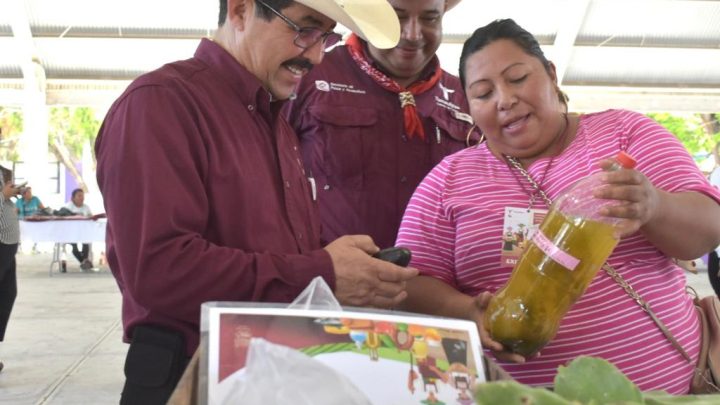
x: 307, y: 37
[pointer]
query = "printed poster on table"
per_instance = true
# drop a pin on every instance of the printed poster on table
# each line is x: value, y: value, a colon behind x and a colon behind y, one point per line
x: 390, y: 358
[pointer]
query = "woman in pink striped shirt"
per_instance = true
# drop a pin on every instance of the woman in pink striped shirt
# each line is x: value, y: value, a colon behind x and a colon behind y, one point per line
x: 456, y: 220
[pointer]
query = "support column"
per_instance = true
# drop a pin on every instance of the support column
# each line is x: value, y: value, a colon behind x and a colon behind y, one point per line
x: 34, y: 140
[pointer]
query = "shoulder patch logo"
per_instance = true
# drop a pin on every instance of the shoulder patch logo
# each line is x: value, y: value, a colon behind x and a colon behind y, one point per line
x: 446, y: 91
x: 322, y: 85
x: 463, y: 117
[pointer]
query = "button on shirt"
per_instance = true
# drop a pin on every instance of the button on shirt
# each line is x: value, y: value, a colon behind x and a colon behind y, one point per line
x: 205, y: 194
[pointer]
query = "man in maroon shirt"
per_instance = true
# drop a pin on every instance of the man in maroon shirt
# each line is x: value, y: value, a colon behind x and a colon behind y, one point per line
x: 236, y: 221
x: 373, y: 122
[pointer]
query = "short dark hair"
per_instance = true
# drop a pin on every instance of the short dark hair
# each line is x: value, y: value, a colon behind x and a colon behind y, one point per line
x: 77, y: 190
x: 504, y: 29
x: 261, y: 12
x: 7, y: 174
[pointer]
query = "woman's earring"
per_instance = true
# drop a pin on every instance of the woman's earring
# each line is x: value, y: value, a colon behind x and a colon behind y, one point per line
x: 469, y: 135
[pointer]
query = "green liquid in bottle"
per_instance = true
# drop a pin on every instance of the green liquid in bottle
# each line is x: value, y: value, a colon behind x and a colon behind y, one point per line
x: 525, y: 314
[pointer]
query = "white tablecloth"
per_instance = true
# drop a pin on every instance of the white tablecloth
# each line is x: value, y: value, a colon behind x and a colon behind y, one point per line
x: 64, y: 230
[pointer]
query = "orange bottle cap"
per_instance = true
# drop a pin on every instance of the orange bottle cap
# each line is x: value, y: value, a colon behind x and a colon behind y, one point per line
x: 625, y: 160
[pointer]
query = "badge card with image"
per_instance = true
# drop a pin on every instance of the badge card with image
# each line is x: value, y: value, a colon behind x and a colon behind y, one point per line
x: 519, y: 226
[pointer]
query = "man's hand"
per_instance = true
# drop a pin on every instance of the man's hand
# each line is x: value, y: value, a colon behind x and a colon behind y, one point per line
x: 361, y: 280
x: 10, y: 190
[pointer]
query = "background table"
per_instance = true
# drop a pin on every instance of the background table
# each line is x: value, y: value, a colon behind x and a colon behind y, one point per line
x: 62, y: 231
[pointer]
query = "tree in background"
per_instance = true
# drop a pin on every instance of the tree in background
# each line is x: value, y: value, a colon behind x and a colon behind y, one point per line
x: 697, y: 132
x: 711, y: 123
x: 70, y: 129
x: 11, y: 126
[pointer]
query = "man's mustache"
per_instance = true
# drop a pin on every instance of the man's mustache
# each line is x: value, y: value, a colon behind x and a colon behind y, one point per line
x: 409, y: 45
x: 301, y: 63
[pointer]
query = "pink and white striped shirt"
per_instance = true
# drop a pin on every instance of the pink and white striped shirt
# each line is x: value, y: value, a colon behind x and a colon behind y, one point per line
x: 454, y: 227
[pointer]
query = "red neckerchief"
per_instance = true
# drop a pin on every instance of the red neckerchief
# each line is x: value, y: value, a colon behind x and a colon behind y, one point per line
x: 413, y: 125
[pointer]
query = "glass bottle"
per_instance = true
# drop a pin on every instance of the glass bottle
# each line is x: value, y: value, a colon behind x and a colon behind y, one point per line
x: 558, y: 264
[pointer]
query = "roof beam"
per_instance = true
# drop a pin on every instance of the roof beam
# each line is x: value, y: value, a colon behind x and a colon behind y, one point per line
x: 122, y: 32
x: 573, y: 19
x: 672, y: 100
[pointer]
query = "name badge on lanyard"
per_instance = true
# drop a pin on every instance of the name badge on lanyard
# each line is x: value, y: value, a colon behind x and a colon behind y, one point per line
x: 519, y: 226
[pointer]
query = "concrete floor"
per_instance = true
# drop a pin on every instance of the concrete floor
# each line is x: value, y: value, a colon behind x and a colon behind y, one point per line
x: 63, y: 344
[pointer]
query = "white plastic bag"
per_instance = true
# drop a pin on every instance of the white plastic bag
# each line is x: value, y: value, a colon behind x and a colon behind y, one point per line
x: 278, y: 375
x: 317, y: 295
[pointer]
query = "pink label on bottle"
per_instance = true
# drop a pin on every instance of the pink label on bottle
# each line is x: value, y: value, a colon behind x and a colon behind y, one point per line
x: 554, y: 252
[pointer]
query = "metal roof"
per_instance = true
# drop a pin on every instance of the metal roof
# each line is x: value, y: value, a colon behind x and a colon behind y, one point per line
x: 648, y: 55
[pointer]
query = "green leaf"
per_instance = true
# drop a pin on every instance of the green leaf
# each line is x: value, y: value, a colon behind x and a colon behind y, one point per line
x: 593, y: 380
x: 663, y: 398
x: 514, y: 393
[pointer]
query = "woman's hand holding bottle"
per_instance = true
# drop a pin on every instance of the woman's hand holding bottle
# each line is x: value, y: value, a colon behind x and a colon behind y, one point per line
x: 638, y: 198
x: 477, y: 313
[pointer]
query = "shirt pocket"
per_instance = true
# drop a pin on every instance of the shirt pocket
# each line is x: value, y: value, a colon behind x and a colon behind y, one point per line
x: 345, y: 131
x: 448, y: 134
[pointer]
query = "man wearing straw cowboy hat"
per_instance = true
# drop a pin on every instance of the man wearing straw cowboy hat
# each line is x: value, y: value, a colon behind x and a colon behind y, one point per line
x: 372, y: 123
x: 236, y: 221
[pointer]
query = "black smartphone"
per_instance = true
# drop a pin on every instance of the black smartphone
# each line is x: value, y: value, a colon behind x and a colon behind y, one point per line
x: 398, y: 255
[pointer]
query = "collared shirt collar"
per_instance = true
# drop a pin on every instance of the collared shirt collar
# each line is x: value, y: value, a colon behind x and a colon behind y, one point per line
x: 241, y: 80
x: 427, y: 71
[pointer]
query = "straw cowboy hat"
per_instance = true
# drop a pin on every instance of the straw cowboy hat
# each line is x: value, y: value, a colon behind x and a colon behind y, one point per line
x: 373, y: 20
x: 451, y: 4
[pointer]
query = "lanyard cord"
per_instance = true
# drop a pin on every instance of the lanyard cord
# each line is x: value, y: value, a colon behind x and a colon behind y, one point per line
x: 610, y: 270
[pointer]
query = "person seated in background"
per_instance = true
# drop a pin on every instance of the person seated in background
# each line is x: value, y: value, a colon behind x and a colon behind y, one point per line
x: 455, y: 221
x: 29, y: 204
x: 77, y: 206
